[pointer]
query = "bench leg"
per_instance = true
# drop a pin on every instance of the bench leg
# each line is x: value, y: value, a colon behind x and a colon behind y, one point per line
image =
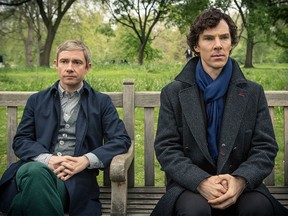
x: 119, y: 198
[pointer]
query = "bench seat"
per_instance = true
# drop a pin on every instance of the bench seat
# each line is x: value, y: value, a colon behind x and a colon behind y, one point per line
x: 142, y: 200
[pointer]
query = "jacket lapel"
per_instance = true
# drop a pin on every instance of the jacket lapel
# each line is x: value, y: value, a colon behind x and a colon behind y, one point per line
x: 234, y: 110
x: 190, y: 103
x: 81, y: 125
x: 191, y: 107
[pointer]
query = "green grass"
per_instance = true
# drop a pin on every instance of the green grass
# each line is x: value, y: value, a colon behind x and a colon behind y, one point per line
x: 152, y: 77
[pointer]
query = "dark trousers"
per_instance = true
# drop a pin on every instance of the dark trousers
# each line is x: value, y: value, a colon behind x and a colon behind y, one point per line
x: 249, y: 203
x: 40, y: 192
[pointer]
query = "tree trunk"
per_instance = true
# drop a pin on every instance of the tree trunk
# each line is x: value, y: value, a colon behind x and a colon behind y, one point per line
x: 141, y: 54
x: 249, y: 52
x: 45, y: 52
x: 28, y: 42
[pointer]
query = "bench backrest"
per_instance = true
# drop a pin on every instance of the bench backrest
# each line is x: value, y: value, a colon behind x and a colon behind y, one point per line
x: 130, y: 100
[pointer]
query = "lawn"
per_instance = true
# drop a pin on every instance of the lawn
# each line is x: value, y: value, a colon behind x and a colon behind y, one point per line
x: 152, y: 77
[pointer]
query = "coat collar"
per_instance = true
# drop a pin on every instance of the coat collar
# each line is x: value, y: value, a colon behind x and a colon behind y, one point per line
x: 54, y: 87
x: 187, y: 74
x: 191, y: 103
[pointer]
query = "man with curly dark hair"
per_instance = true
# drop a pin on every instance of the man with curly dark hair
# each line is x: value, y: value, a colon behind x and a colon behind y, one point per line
x: 215, y: 139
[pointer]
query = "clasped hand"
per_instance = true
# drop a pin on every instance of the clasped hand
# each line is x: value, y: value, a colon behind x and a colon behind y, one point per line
x: 222, y: 191
x: 67, y: 166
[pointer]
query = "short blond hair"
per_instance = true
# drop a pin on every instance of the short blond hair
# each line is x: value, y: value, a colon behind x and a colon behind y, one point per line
x: 74, y: 45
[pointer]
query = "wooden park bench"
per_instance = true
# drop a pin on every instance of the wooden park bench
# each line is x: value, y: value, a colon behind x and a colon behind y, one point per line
x: 119, y: 193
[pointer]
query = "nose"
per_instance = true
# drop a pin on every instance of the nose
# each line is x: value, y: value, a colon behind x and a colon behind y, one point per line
x: 70, y: 66
x: 217, y: 45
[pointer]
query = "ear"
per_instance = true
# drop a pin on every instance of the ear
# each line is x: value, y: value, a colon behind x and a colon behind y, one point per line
x: 196, y: 48
x: 55, y: 63
x: 88, y: 68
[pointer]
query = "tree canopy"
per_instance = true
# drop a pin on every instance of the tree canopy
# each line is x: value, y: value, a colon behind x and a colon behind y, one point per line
x: 134, y: 29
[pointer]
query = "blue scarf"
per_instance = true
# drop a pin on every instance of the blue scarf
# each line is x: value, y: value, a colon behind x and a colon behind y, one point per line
x: 214, y: 90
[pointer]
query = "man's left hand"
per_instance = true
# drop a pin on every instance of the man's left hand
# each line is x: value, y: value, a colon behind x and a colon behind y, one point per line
x: 235, y: 185
x: 71, y: 166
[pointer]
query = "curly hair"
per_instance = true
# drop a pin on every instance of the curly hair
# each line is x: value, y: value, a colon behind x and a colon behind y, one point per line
x: 210, y: 19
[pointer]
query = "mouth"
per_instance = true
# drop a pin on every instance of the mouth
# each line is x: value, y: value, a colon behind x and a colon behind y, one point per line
x: 69, y: 77
x: 218, y: 55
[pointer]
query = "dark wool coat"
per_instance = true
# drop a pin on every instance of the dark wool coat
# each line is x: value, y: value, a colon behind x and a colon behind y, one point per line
x: 247, y: 145
x: 38, y: 131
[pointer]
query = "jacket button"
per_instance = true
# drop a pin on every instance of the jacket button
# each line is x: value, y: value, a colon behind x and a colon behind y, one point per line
x: 186, y: 149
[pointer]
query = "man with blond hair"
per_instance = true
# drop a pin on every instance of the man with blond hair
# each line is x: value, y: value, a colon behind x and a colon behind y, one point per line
x: 59, y: 142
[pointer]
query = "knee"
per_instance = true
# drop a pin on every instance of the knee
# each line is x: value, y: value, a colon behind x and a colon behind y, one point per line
x: 31, y: 169
x: 256, y: 209
x: 255, y: 204
x: 187, y: 210
x: 33, y: 172
x: 189, y: 204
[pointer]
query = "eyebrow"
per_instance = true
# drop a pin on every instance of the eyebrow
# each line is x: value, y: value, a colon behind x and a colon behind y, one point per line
x: 211, y: 35
x: 68, y: 59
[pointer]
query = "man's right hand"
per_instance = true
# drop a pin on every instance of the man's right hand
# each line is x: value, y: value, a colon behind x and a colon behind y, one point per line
x: 55, y: 162
x: 67, y: 166
x: 210, y: 189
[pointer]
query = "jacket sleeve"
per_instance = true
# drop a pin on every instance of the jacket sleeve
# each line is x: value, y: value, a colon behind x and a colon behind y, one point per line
x: 262, y: 145
x: 25, y: 145
x: 116, y: 139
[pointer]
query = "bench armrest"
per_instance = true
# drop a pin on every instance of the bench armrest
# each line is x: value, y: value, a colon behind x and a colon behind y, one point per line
x: 119, y: 181
x: 120, y: 164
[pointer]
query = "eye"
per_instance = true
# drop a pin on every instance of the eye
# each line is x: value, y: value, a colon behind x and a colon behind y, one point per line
x: 208, y: 38
x: 77, y: 62
x: 225, y: 37
x: 63, y: 61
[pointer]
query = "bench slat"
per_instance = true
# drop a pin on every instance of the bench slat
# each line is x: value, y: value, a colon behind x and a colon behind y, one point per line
x: 286, y: 145
x: 148, y: 146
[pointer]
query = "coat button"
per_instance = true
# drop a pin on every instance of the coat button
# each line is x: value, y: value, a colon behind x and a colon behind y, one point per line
x: 186, y: 149
x: 223, y: 145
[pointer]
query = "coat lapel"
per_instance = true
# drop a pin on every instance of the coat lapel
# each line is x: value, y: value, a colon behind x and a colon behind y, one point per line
x: 235, y: 106
x: 191, y: 107
x: 192, y: 111
x: 81, y: 125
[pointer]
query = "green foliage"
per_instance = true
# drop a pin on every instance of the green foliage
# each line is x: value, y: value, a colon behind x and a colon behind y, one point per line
x: 106, y: 30
x: 184, y: 13
x: 89, y: 22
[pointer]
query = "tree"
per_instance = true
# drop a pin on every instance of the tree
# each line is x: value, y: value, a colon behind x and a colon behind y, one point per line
x: 183, y: 14
x: 28, y: 26
x: 278, y: 11
x: 141, y: 16
x: 256, y: 21
x: 51, y: 12
x: 262, y: 20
